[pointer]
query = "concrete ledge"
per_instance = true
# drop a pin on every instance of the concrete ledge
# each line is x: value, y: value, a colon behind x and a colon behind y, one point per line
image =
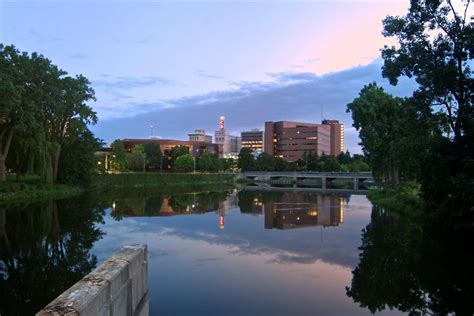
x: 119, y: 286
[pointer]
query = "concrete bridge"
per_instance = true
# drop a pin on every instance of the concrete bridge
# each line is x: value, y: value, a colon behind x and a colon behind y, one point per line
x: 356, y: 178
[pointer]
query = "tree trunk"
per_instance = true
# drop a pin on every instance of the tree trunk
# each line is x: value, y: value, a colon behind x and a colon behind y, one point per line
x: 56, y: 164
x: 3, y: 169
x: 4, y: 148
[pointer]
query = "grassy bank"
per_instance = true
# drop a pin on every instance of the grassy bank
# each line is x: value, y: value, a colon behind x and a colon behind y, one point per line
x: 31, y: 188
x: 28, y: 190
x: 395, y: 197
x: 108, y: 182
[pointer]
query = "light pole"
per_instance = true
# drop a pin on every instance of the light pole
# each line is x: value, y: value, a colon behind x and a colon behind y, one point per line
x: 194, y: 163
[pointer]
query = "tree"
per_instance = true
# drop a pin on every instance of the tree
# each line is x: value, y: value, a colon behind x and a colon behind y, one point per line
x: 246, y: 161
x: 22, y: 90
x: 78, y: 160
x: 137, y: 158
x: 205, y: 162
x: 119, y: 155
x: 68, y: 108
x: 396, y: 133
x: 344, y: 158
x: 184, y: 163
x: 177, y: 151
x: 153, y: 155
x: 265, y: 162
x: 436, y: 47
x: 436, y: 44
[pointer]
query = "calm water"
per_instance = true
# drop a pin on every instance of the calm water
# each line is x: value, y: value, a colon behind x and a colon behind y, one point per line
x: 230, y: 253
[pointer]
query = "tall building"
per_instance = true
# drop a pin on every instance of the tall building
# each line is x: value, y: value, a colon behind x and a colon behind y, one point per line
x: 252, y: 139
x: 199, y: 135
x: 230, y: 144
x: 337, y: 136
x: 291, y: 140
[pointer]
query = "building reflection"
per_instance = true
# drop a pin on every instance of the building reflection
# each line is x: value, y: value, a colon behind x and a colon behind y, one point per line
x: 295, y: 210
x: 176, y: 205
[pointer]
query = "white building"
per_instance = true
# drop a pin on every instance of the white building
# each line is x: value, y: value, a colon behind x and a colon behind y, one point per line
x: 230, y: 144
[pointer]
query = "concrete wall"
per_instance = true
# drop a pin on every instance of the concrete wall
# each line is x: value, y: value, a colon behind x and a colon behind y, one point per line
x: 118, y: 286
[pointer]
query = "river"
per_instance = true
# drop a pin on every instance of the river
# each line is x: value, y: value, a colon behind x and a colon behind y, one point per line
x: 233, y: 252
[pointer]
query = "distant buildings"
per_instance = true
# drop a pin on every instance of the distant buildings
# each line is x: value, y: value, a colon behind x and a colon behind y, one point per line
x: 195, y: 148
x: 230, y: 144
x: 252, y: 140
x: 199, y: 135
x: 291, y: 140
x: 285, y: 139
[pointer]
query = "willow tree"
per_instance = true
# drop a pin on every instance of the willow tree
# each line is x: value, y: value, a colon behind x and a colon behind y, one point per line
x: 24, y: 87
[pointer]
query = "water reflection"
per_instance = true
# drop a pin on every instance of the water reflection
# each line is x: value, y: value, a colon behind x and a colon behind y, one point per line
x: 44, y: 249
x: 225, y: 248
x: 409, y: 265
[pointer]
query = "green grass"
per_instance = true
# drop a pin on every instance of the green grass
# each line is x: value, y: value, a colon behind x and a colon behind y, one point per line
x: 166, y: 180
x: 396, y: 197
x: 31, y: 189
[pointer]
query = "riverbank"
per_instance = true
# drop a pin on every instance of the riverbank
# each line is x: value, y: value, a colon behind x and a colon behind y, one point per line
x: 401, y: 196
x: 31, y: 189
x: 107, y: 182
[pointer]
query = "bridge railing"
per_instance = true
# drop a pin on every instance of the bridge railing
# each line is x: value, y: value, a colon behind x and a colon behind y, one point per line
x: 365, y: 174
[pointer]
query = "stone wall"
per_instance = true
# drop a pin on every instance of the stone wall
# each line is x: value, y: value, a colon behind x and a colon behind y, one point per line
x: 118, y: 286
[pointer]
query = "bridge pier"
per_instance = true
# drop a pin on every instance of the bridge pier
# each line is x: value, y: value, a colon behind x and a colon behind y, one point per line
x: 356, y: 183
x: 323, y: 182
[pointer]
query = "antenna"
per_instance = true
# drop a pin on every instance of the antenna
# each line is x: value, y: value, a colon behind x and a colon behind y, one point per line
x: 151, y: 130
x: 321, y: 112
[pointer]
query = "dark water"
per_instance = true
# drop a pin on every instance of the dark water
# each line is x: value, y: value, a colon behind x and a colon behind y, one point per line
x: 238, y: 253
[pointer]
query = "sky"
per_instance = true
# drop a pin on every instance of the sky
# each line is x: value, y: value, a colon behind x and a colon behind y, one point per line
x: 180, y: 65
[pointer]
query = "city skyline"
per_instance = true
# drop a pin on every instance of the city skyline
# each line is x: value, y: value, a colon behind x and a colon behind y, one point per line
x: 179, y: 66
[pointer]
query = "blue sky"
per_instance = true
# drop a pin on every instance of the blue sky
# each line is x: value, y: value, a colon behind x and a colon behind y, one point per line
x: 179, y: 66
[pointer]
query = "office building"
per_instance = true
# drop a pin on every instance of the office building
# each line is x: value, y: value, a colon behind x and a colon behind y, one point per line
x: 291, y: 140
x: 253, y: 140
x: 230, y: 144
x: 199, y: 135
x: 337, y: 136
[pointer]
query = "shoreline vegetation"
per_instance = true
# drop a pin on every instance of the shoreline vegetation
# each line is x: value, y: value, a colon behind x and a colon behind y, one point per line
x: 405, y: 195
x: 32, y: 189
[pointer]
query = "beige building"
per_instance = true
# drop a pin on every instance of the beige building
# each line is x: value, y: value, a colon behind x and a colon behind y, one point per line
x: 291, y: 140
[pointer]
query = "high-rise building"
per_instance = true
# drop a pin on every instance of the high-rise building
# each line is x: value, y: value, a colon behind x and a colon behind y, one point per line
x: 252, y: 139
x: 199, y: 135
x: 230, y: 144
x: 291, y: 140
x: 337, y: 136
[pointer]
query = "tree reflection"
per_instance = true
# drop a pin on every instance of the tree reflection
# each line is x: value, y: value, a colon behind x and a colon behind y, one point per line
x: 412, y: 267
x: 160, y: 204
x: 44, y: 249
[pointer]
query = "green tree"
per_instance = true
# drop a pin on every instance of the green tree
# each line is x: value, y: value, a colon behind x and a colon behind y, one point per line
x: 329, y: 163
x: 265, y: 162
x: 396, y: 133
x: 226, y: 164
x: 66, y: 113
x: 184, y: 163
x: 205, y: 162
x: 137, y: 158
x: 119, y: 155
x: 344, y: 158
x: 78, y: 160
x: 23, y: 88
x: 154, y: 156
x: 436, y: 44
x: 177, y: 151
x: 246, y: 161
